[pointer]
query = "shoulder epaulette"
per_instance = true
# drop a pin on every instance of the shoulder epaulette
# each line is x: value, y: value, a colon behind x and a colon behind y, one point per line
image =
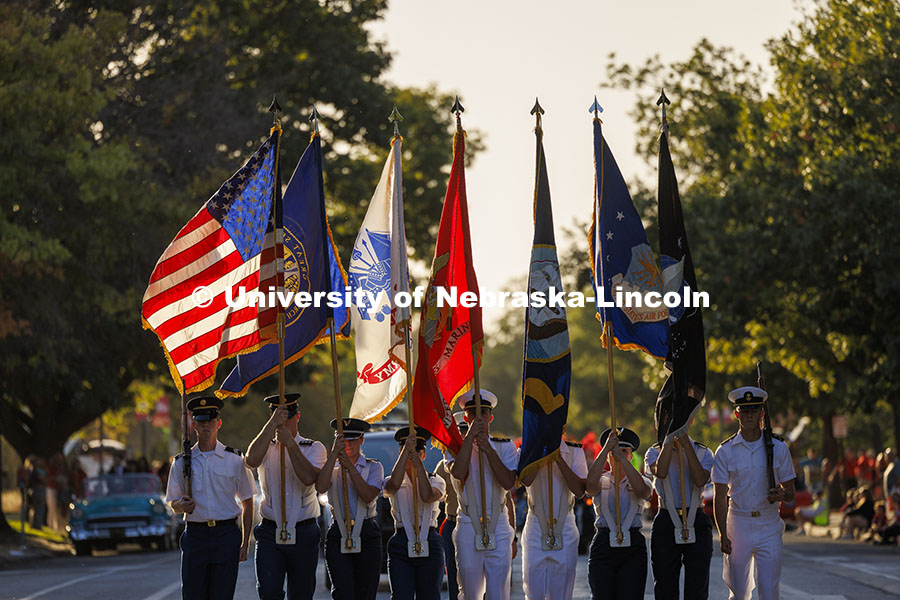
x: 433, y: 475
x: 305, y: 443
x: 702, y: 445
x: 371, y: 459
x: 728, y: 439
x: 233, y: 450
x: 779, y: 437
x: 500, y: 439
x: 656, y: 445
x: 179, y: 455
x: 573, y: 444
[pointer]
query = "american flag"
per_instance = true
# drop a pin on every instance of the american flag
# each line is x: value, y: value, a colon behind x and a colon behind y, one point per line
x: 219, y: 249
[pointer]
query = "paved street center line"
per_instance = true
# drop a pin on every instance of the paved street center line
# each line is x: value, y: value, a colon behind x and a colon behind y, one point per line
x: 108, y: 571
x: 166, y: 591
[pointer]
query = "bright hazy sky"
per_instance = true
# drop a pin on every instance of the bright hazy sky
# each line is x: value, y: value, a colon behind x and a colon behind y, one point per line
x: 500, y: 54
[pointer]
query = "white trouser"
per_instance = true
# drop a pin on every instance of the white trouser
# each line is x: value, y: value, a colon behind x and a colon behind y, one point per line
x: 549, y: 574
x: 483, y: 572
x: 755, y: 555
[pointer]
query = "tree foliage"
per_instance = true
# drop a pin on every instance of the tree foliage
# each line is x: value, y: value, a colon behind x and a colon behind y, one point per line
x: 120, y: 118
x: 791, y: 201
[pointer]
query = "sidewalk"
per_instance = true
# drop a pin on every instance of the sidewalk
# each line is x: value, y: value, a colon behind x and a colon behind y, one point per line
x: 43, y: 543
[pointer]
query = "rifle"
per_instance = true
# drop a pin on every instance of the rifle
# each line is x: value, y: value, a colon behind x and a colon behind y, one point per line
x: 767, y: 430
x: 186, y: 443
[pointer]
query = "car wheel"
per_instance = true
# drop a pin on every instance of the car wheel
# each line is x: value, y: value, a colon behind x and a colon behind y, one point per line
x: 82, y: 549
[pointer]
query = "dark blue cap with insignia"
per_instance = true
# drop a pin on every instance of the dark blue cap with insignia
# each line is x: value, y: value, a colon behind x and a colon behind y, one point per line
x: 205, y: 408
x: 422, y: 436
x: 353, y: 428
x: 748, y: 396
x: 290, y: 402
x: 627, y: 438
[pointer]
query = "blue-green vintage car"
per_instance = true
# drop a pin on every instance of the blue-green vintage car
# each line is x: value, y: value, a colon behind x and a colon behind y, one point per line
x: 117, y: 509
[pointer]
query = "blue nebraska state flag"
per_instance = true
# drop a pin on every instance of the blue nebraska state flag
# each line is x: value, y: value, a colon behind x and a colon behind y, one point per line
x: 622, y: 260
x: 311, y: 264
x: 547, y: 371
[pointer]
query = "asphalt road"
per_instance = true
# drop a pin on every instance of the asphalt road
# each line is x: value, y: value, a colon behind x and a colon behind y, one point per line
x: 814, y: 569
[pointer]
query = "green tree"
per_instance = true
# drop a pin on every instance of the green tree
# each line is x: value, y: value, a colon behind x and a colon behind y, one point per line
x: 791, y: 205
x: 119, y: 119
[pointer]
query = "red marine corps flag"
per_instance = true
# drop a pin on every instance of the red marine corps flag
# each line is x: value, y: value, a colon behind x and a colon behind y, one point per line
x: 449, y: 336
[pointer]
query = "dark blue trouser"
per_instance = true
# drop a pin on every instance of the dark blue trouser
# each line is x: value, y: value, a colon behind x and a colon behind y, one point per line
x: 447, y: 528
x: 418, y: 578
x: 354, y: 576
x: 617, y: 573
x: 209, y: 561
x: 296, y: 561
x: 666, y: 558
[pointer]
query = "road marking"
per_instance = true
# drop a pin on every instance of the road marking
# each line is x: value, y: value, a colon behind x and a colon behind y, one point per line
x: 46, y: 591
x: 876, y: 569
x: 108, y: 571
x: 166, y: 591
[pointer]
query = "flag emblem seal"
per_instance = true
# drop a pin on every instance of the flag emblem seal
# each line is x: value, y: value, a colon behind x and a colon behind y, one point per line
x: 296, y: 274
x: 372, y: 273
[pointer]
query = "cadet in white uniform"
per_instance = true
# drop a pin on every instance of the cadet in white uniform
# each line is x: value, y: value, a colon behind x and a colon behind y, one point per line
x: 303, y: 458
x: 746, y: 510
x: 414, y: 571
x: 483, y: 570
x: 222, y: 489
x: 550, y: 554
x: 353, y: 556
x: 669, y: 546
x: 617, y: 570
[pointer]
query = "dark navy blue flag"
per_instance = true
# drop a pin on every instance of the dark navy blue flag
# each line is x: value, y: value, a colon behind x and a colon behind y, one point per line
x: 685, y: 388
x: 311, y: 264
x: 547, y: 372
x: 622, y: 261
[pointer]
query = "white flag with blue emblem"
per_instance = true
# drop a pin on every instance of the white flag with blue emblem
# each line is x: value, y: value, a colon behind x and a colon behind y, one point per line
x: 378, y: 267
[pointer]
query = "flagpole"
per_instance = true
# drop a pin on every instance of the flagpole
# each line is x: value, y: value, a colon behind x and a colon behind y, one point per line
x: 537, y: 110
x: 283, y: 534
x: 395, y: 118
x: 612, y: 417
x: 336, y: 381
x: 607, y: 332
x: 458, y: 109
x: 684, y: 524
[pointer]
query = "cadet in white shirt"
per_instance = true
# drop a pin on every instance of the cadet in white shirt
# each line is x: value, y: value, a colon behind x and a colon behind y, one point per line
x: 353, y: 555
x: 483, y: 569
x: 617, y: 569
x: 550, y: 553
x: 222, y: 489
x: 303, y: 458
x: 415, y: 570
x: 746, y: 510
x: 671, y: 544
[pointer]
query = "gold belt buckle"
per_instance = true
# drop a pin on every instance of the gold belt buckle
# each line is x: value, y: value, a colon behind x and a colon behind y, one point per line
x: 754, y: 513
x: 210, y: 523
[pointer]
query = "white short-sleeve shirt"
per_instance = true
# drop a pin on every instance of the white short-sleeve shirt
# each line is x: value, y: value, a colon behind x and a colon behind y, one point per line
x: 626, y: 499
x: 373, y: 473
x: 742, y: 466
x: 704, y: 455
x: 509, y: 456
x: 437, y: 483
x: 301, y: 501
x: 220, y: 482
x: 574, y: 457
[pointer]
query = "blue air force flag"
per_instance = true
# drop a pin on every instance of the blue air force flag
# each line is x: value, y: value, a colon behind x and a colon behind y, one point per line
x: 378, y: 267
x: 311, y: 264
x: 547, y: 372
x: 622, y: 260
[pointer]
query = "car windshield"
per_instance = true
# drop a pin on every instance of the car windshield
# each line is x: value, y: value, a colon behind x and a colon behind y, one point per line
x: 386, y: 450
x: 118, y: 485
